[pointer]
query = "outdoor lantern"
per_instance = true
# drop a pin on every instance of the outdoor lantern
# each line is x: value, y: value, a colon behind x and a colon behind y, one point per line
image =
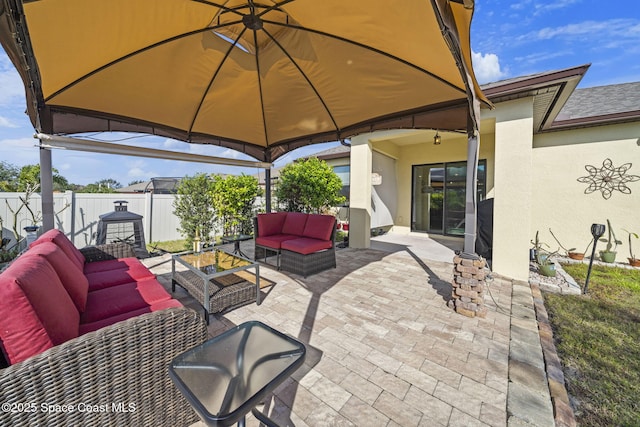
x: 122, y: 226
x: 437, y: 139
x: 597, y: 230
x: 32, y: 233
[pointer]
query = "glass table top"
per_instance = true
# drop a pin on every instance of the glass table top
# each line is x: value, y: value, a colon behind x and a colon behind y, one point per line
x: 228, y: 375
x: 214, y: 261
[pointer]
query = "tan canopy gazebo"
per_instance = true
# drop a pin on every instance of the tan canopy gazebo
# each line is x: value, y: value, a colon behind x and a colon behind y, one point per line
x: 260, y: 77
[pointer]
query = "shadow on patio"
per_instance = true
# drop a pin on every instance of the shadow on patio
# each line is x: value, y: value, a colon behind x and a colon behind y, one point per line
x: 383, y: 347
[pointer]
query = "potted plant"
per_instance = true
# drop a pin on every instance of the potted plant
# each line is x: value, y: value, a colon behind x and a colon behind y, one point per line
x: 546, y: 266
x: 633, y: 261
x: 609, y: 255
x: 537, y: 249
x: 571, y: 252
x: 542, y: 257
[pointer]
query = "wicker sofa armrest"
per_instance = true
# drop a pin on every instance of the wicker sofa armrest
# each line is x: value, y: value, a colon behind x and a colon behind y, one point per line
x: 108, y: 251
x: 114, y: 376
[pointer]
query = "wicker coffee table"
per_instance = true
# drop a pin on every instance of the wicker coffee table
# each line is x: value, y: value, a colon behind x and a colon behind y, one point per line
x: 218, y: 280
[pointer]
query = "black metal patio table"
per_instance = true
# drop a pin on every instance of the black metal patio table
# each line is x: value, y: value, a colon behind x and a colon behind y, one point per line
x: 227, y: 376
x: 236, y: 239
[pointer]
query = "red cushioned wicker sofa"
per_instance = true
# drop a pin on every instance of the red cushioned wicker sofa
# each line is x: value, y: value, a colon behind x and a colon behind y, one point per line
x: 91, y: 327
x: 303, y: 243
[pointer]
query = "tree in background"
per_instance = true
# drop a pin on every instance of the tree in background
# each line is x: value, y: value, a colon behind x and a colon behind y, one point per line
x: 233, y: 200
x: 194, y: 207
x: 26, y: 178
x: 108, y: 185
x: 308, y: 185
x: 30, y: 176
x: 8, y: 177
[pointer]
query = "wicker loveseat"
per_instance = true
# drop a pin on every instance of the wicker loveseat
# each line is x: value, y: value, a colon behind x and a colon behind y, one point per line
x: 89, y: 334
x: 303, y: 243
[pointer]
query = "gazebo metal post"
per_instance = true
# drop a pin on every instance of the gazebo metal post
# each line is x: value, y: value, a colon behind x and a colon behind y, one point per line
x: 471, y: 205
x: 267, y: 189
x: 46, y: 189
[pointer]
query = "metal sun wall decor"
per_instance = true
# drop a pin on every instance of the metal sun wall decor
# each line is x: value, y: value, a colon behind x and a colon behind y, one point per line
x: 608, y: 178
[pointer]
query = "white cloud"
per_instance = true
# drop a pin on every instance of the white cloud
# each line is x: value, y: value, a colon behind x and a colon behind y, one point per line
x: 19, y: 151
x: 140, y: 169
x: 172, y: 144
x: 537, y: 57
x: 139, y: 173
x: 64, y: 166
x: 12, y: 89
x: 232, y: 154
x: 623, y: 29
x: 554, y: 5
x: 6, y: 123
x: 487, y: 67
x: 539, y: 7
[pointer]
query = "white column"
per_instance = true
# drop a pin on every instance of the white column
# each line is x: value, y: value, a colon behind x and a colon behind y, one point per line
x: 512, y: 188
x: 360, y: 193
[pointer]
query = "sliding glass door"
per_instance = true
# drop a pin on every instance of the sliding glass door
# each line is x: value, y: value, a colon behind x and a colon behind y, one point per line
x: 438, y: 196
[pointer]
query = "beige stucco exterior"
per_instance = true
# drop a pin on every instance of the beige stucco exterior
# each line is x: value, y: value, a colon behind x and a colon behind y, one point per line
x: 532, y: 178
x: 560, y: 202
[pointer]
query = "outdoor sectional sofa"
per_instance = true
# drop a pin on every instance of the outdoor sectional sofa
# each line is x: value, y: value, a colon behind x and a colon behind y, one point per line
x: 89, y: 334
x: 303, y: 243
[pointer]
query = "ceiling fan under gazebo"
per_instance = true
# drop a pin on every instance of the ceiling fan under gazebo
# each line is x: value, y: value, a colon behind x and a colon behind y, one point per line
x: 260, y: 77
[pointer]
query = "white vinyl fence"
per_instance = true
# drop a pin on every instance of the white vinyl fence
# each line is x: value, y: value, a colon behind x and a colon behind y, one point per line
x: 77, y: 214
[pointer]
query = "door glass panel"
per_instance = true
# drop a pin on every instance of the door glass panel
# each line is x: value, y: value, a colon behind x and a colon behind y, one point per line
x: 454, y: 201
x: 439, y: 197
x: 428, y: 196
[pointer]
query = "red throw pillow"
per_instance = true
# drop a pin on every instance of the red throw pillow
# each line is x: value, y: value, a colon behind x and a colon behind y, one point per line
x: 74, y: 281
x: 50, y: 300
x: 58, y: 237
x: 21, y: 331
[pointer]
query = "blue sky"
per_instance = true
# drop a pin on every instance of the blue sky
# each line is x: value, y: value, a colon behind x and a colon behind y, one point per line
x: 508, y: 39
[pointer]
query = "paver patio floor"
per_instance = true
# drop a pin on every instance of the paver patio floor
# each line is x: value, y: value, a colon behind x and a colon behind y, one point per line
x: 383, y: 348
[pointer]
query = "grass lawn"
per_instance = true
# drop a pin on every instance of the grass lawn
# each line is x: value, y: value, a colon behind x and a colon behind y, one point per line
x: 171, y: 246
x: 598, y: 340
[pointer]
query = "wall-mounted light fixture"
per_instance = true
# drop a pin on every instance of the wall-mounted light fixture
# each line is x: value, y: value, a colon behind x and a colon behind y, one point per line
x: 437, y: 139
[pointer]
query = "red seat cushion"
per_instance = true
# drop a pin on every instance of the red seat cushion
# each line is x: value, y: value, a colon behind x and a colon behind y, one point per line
x: 70, y: 275
x: 113, y: 264
x: 58, y: 237
x: 294, y: 224
x: 120, y: 299
x: 305, y: 245
x: 271, y: 223
x: 274, y: 241
x: 21, y: 331
x: 94, y: 326
x: 105, y: 279
x: 50, y: 300
x: 319, y: 227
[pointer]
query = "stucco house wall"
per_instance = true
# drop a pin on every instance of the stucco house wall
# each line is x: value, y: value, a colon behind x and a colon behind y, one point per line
x: 559, y: 200
x: 532, y: 172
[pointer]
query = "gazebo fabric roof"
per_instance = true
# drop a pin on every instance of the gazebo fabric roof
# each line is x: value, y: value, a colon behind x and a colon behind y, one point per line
x: 262, y: 77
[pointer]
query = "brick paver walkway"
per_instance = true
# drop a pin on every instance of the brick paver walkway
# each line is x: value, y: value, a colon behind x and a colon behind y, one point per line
x: 383, y: 348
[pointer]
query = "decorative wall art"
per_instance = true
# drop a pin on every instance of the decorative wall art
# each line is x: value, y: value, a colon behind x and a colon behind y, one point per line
x: 608, y: 178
